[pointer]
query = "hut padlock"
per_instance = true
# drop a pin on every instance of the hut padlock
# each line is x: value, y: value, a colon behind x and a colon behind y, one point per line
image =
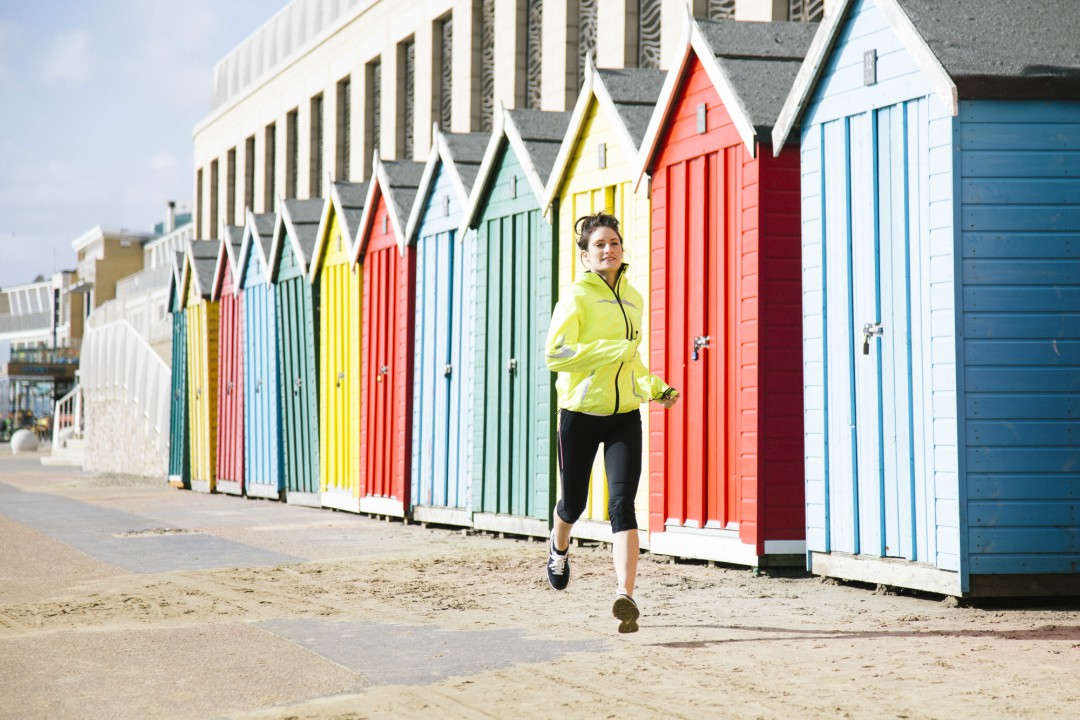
x: 701, y: 341
x: 512, y: 365
x: 448, y: 371
x: 340, y: 377
x: 869, y: 330
x: 382, y: 371
x: 296, y: 386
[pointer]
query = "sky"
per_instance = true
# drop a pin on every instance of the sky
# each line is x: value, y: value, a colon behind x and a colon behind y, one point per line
x: 98, y: 100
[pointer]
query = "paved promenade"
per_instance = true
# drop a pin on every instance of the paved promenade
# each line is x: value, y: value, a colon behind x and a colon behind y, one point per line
x: 124, y: 598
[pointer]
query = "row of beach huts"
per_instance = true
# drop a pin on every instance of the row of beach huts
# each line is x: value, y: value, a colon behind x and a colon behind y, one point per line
x: 859, y: 243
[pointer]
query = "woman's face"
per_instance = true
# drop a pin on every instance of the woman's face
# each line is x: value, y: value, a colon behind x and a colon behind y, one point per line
x: 604, y: 252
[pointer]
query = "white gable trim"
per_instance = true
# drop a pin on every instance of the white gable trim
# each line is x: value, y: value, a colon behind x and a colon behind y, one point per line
x: 577, y: 122
x: 486, y: 167
x: 821, y: 48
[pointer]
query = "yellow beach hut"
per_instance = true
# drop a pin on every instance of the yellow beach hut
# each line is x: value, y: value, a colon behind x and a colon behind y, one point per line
x: 201, y: 313
x: 595, y: 171
x: 340, y: 287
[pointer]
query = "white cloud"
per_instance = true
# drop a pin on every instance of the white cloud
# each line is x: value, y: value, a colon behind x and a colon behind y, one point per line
x: 163, y: 160
x: 68, y: 59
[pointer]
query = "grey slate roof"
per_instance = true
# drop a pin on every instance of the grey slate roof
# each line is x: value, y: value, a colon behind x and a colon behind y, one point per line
x: 264, y: 226
x: 542, y: 132
x: 1003, y: 48
x: 404, y: 177
x: 204, y: 256
x: 761, y: 59
x: 352, y: 196
x: 634, y: 91
x: 304, y: 216
x: 467, y: 150
x: 234, y: 238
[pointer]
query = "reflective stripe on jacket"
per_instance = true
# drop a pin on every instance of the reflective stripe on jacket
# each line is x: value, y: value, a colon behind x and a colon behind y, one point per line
x: 592, y: 343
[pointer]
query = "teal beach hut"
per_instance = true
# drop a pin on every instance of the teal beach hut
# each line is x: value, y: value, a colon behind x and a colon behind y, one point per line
x: 514, y: 275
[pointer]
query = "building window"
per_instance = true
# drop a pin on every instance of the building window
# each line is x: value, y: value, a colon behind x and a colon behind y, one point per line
x: 374, y: 104
x: 487, y: 64
x: 443, y: 71
x: 586, y: 35
x: 806, y: 10
x: 406, y: 98
x: 213, y: 199
x: 292, y: 152
x: 230, y: 187
x: 344, y: 128
x: 534, y: 22
x: 198, y: 204
x: 316, y: 168
x: 648, y: 54
x: 249, y: 173
x: 715, y: 9
x: 269, y: 161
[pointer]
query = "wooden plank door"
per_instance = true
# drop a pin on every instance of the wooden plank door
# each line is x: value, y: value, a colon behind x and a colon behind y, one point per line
x: 299, y: 399
x: 202, y: 325
x: 230, y: 407
x: 179, y: 452
x: 868, y: 330
x: 340, y: 374
x: 263, y: 467
x: 438, y: 427
x: 700, y: 253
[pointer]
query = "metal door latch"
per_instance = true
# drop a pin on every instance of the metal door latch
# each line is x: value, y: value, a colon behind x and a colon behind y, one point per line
x: 448, y: 371
x: 512, y: 365
x: 701, y: 341
x: 382, y: 371
x: 869, y: 330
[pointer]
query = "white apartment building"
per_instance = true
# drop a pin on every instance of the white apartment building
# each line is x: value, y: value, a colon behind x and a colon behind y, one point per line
x: 311, y: 94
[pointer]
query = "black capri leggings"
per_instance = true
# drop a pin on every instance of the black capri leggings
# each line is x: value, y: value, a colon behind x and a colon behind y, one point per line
x: 580, y: 436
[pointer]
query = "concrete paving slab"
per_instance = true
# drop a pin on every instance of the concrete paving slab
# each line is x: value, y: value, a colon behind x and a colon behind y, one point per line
x: 394, y: 654
x: 131, y: 542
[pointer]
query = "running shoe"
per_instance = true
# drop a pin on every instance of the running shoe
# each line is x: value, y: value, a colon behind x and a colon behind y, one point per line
x: 626, y: 610
x: 558, y: 566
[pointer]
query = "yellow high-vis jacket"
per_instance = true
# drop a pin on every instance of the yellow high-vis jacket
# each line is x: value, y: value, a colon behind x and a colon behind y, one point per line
x: 592, y: 343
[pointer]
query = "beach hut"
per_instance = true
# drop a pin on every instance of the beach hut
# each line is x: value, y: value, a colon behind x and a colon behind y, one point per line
x: 726, y: 466
x: 179, y: 450
x: 388, y: 265
x: 594, y: 172
x: 339, y: 283
x: 228, y: 295
x: 297, y: 303
x: 513, y: 468
x: 201, y: 322
x: 442, y: 373
x: 941, y: 347
x: 263, y: 453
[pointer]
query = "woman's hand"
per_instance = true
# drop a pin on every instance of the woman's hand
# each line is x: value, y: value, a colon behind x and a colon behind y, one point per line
x: 669, y: 398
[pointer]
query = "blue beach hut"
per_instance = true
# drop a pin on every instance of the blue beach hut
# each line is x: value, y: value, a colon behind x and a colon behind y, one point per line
x: 515, y: 276
x: 442, y: 391
x: 297, y: 301
x: 179, y: 450
x: 941, y: 352
x: 263, y: 454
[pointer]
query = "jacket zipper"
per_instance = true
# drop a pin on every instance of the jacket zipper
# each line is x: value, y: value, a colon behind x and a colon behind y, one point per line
x: 626, y: 323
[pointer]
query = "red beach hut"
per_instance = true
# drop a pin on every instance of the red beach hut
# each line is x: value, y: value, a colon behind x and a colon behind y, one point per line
x: 386, y: 385
x: 726, y: 464
x: 230, y: 395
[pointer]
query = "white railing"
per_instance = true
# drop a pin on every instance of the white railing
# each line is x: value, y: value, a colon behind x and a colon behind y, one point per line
x: 67, y: 414
x: 117, y: 362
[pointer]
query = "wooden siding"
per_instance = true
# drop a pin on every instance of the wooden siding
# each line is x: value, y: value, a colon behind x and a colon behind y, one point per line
x: 263, y: 454
x: 230, y: 394
x: 1020, y: 319
x: 179, y: 451
x: 877, y: 182
x: 339, y: 283
x: 515, y: 286
x: 386, y: 368
x: 587, y: 188
x: 441, y: 412
x: 297, y: 328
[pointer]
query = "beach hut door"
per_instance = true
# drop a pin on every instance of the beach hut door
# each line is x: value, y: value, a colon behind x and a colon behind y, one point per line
x: 879, y: 288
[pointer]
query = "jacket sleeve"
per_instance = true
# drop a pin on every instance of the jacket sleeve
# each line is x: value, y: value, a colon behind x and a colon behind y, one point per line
x: 564, y: 353
x: 648, y: 385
